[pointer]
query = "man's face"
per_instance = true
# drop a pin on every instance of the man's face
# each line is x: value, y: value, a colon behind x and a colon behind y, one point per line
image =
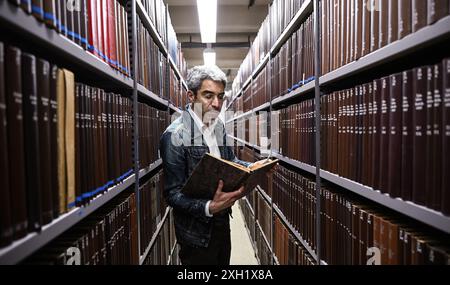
x: 210, y: 96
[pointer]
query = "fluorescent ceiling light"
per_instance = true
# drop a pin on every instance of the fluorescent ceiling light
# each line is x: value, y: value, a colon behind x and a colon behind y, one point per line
x: 207, y: 16
x: 209, y: 57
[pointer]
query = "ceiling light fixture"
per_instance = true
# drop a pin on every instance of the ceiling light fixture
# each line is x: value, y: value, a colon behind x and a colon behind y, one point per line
x: 209, y: 57
x: 207, y: 16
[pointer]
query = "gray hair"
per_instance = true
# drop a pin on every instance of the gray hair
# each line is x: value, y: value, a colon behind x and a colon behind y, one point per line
x: 198, y: 74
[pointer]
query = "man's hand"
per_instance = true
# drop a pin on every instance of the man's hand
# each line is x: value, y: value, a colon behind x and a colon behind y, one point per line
x: 223, y: 200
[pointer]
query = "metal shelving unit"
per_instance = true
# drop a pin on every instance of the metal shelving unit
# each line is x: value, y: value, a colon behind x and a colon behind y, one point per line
x: 264, y: 195
x: 150, y: 26
x: 28, y: 26
x: 411, y: 43
x: 152, y: 96
x: 16, y: 20
x: 23, y: 248
x: 263, y: 107
x: 155, y: 236
x: 259, y: 228
x: 299, y: 18
x: 294, y: 232
x: 301, y: 15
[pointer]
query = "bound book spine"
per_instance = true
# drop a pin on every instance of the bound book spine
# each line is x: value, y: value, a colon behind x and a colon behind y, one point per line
x: 46, y: 153
x: 445, y: 201
x: 6, y: 230
x: 31, y: 140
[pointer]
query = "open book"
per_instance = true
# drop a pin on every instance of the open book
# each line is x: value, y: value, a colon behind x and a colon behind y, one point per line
x: 203, y: 182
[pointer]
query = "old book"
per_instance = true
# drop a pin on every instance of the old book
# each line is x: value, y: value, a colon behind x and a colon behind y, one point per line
x: 445, y: 201
x: 404, y: 18
x: 393, y: 21
x: 407, y: 135
x: 61, y: 139
x: 70, y: 135
x: 374, y: 25
x: 205, y: 178
x: 6, y: 232
x: 84, y: 24
x: 395, y: 136
x: 437, y: 9
x: 50, y: 13
x: 31, y: 141
x: 384, y: 135
x: 112, y: 33
x: 430, y: 180
x: 419, y: 15
x: 54, y: 139
x: 43, y: 91
x: 38, y: 9
x: 366, y: 28
x: 436, y: 147
x: 419, y: 139
x: 383, y: 22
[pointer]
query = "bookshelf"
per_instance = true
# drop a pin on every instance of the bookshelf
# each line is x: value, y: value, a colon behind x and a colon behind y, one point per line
x: 21, y: 23
x: 23, y: 248
x: 377, y: 62
x: 37, y: 35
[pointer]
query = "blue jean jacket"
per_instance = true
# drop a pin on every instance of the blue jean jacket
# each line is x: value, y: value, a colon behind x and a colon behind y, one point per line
x: 182, y: 146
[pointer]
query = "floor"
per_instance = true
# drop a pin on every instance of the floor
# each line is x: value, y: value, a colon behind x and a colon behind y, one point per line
x: 242, y: 252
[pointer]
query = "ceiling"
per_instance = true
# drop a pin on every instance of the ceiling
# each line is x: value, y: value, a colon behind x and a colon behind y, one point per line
x: 238, y: 22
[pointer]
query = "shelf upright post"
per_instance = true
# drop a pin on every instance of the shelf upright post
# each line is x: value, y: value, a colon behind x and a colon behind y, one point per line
x: 317, y: 65
x: 134, y: 53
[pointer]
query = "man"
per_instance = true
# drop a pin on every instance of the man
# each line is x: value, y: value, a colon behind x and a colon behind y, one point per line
x: 202, y: 227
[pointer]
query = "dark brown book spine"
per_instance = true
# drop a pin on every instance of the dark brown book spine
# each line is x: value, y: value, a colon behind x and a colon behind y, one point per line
x: 419, y: 140
x: 31, y: 139
x: 437, y: 136
x: 78, y: 145
x: 430, y: 180
x: 366, y: 28
x: 37, y: 8
x: 445, y: 205
x: 395, y: 136
x: 374, y: 24
x: 53, y: 139
x: 384, y: 135
x: 393, y: 21
x: 437, y: 9
x: 419, y: 14
x: 43, y: 85
x: 383, y: 22
x: 404, y: 18
x: 408, y: 134
x: 50, y: 13
x: 376, y: 133
x: 6, y: 231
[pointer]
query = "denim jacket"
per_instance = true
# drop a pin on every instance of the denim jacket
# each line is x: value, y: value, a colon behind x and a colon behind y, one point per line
x: 182, y: 146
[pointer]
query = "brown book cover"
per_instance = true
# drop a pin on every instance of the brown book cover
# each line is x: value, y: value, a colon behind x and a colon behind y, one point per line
x: 374, y: 24
x: 419, y: 140
x: 43, y: 90
x: 437, y: 9
x: 395, y: 136
x: 366, y: 28
x: 61, y: 139
x: 70, y: 26
x: 407, y: 134
x: 393, y: 21
x: 404, y: 18
x: 393, y: 244
x: 384, y: 135
x: 233, y: 175
x: 430, y: 180
x: 31, y: 141
x: 77, y: 20
x: 376, y: 134
x: 419, y: 15
x: 6, y: 231
x: 84, y: 24
x: 70, y: 136
x: 37, y: 9
x: 383, y: 22
x: 436, y: 148
x: 78, y: 144
x: 445, y: 201
x: 355, y: 243
x: 50, y: 13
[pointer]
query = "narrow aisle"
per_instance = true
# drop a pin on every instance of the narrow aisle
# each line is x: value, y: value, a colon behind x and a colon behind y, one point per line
x: 242, y: 252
